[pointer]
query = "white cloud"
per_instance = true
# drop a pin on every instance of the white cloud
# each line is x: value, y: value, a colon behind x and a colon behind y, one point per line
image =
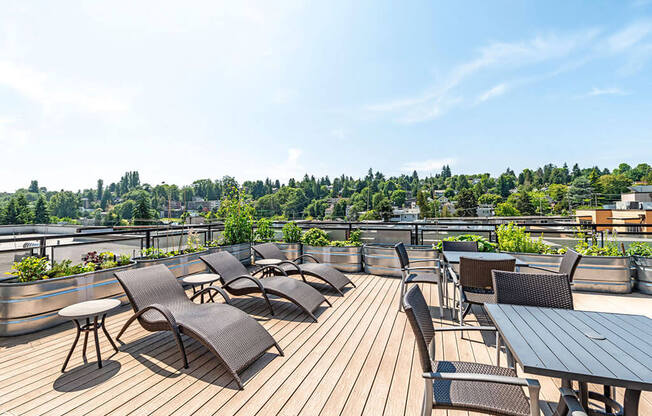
x: 59, y: 95
x: 505, y: 56
x: 426, y: 166
x: 629, y: 36
x: 603, y: 91
x: 496, y: 91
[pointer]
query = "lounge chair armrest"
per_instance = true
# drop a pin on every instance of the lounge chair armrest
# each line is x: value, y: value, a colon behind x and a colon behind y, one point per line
x: 465, y: 328
x: 266, y: 268
x: 308, y: 256
x: 573, y: 404
x: 247, y: 277
x: 293, y: 264
x: 219, y: 290
x: 163, y: 310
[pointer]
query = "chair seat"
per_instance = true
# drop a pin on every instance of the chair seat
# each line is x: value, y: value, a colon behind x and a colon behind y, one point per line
x: 479, y: 296
x: 492, y: 398
x: 422, y: 277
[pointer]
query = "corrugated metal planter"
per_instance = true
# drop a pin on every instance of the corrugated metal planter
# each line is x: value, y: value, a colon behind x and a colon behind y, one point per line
x: 594, y: 273
x: 32, y: 306
x: 291, y: 250
x: 381, y: 260
x: 643, y: 267
x: 181, y: 265
x: 345, y: 259
x: 241, y: 251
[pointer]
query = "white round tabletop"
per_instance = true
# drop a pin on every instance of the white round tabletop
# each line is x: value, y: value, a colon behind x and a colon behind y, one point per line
x: 201, y: 278
x: 268, y: 262
x: 89, y: 308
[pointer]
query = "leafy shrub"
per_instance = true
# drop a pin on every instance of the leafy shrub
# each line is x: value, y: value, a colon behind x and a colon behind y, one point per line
x: 315, y: 237
x: 155, y: 253
x: 193, y: 243
x: 483, y: 243
x: 640, y: 249
x: 264, y: 231
x: 238, y: 219
x: 30, y: 269
x: 355, y: 240
x: 513, y: 238
x: 291, y: 232
x: 105, y: 260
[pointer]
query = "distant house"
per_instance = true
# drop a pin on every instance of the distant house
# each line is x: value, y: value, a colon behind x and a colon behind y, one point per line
x: 485, y: 210
x: 405, y: 215
x: 632, y: 213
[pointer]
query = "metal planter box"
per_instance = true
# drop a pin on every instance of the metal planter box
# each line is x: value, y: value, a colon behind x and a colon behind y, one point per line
x: 32, y: 306
x: 241, y: 251
x: 643, y: 267
x: 381, y: 260
x: 594, y: 273
x: 180, y: 265
x: 291, y: 250
x: 344, y: 259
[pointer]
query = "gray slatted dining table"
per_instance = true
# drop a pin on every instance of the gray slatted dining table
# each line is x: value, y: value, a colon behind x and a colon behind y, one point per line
x: 589, y: 347
x: 453, y: 257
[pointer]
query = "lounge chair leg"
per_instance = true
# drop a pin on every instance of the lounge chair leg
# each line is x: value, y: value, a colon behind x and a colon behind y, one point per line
x: 125, y: 326
x: 269, y: 303
x: 352, y: 284
x: 328, y: 302
x: 237, y: 380
x: 280, y: 351
x: 312, y: 316
x: 182, y: 349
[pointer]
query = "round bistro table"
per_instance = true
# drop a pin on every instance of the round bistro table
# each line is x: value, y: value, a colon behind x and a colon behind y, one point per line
x: 97, y: 310
x: 200, y: 280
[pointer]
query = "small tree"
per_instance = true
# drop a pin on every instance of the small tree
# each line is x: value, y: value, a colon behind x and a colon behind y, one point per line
x: 41, y: 214
x: 505, y: 209
x: 524, y: 203
x: 467, y: 204
x: 142, y: 211
x: 385, y: 209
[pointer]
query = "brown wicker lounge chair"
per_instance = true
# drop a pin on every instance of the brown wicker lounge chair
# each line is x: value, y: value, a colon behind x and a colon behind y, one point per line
x: 568, y: 264
x: 238, y: 281
x: 422, y: 274
x: 160, y: 304
x: 474, y: 282
x: 334, y: 278
x: 467, y: 386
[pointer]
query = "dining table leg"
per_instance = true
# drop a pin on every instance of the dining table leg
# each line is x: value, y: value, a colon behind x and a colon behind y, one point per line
x: 562, y: 409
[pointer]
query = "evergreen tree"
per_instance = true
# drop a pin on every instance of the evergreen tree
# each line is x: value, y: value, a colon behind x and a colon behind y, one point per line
x: 33, y: 187
x: 41, y: 214
x: 22, y: 208
x: 11, y: 213
x: 524, y: 203
x: 142, y: 211
x: 467, y: 203
x: 100, y: 189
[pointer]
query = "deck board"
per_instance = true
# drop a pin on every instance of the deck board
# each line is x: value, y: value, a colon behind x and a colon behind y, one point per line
x: 359, y: 359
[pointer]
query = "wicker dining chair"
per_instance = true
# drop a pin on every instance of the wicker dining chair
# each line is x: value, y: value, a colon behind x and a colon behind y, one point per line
x: 474, y: 283
x: 460, y: 385
x: 459, y: 246
x: 568, y: 264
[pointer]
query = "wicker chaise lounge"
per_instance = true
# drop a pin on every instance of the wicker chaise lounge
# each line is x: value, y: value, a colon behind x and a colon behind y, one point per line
x: 461, y: 385
x: 334, y: 278
x: 238, y: 281
x: 160, y: 304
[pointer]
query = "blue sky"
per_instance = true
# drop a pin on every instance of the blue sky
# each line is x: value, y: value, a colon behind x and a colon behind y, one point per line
x: 276, y: 89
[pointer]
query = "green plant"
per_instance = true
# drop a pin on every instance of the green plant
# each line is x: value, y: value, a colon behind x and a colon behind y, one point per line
x: 238, y: 218
x: 315, y: 237
x: 124, y: 259
x: 108, y: 264
x: 193, y: 242
x: 264, y: 231
x: 30, y: 269
x: 291, y: 232
x: 483, y: 243
x: 155, y: 253
x: 639, y: 249
x: 355, y: 237
x: 515, y: 239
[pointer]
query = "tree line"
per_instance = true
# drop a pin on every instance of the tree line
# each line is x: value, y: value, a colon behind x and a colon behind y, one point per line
x: 549, y: 189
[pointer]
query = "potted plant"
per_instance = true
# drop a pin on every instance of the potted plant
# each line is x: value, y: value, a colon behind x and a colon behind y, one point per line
x: 642, y: 260
x: 345, y: 256
x: 483, y: 243
x: 35, y: 289
x: 602, y: 269
x: 291, y: 244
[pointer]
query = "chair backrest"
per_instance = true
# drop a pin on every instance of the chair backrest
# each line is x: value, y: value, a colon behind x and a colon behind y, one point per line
x: 420, y: 320
x: 459, y: 245
x: 225, y: 264
x: 569, y: 263
x: 533, y: 289
x: 403, y: 258
x: 476, y: 273
x: 269, y: 251
x: 153, y: 284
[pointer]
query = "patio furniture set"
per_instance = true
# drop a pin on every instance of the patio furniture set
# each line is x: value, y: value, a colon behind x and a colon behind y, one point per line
x: 160, y: 303
x: 533, y: 316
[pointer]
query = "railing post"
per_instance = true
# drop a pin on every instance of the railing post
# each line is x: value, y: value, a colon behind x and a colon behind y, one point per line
x: 416, y: 234
x: 147, y: 239
x: 41, y: 250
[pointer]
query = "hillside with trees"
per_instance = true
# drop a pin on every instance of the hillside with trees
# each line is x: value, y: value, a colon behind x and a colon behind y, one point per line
x: 547, y: 190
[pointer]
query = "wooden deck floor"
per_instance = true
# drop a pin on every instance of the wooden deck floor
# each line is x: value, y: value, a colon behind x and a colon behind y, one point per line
x: 359, y: 359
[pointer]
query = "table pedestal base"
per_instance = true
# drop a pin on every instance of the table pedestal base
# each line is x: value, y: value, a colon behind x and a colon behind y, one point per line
x: 86, y: 328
